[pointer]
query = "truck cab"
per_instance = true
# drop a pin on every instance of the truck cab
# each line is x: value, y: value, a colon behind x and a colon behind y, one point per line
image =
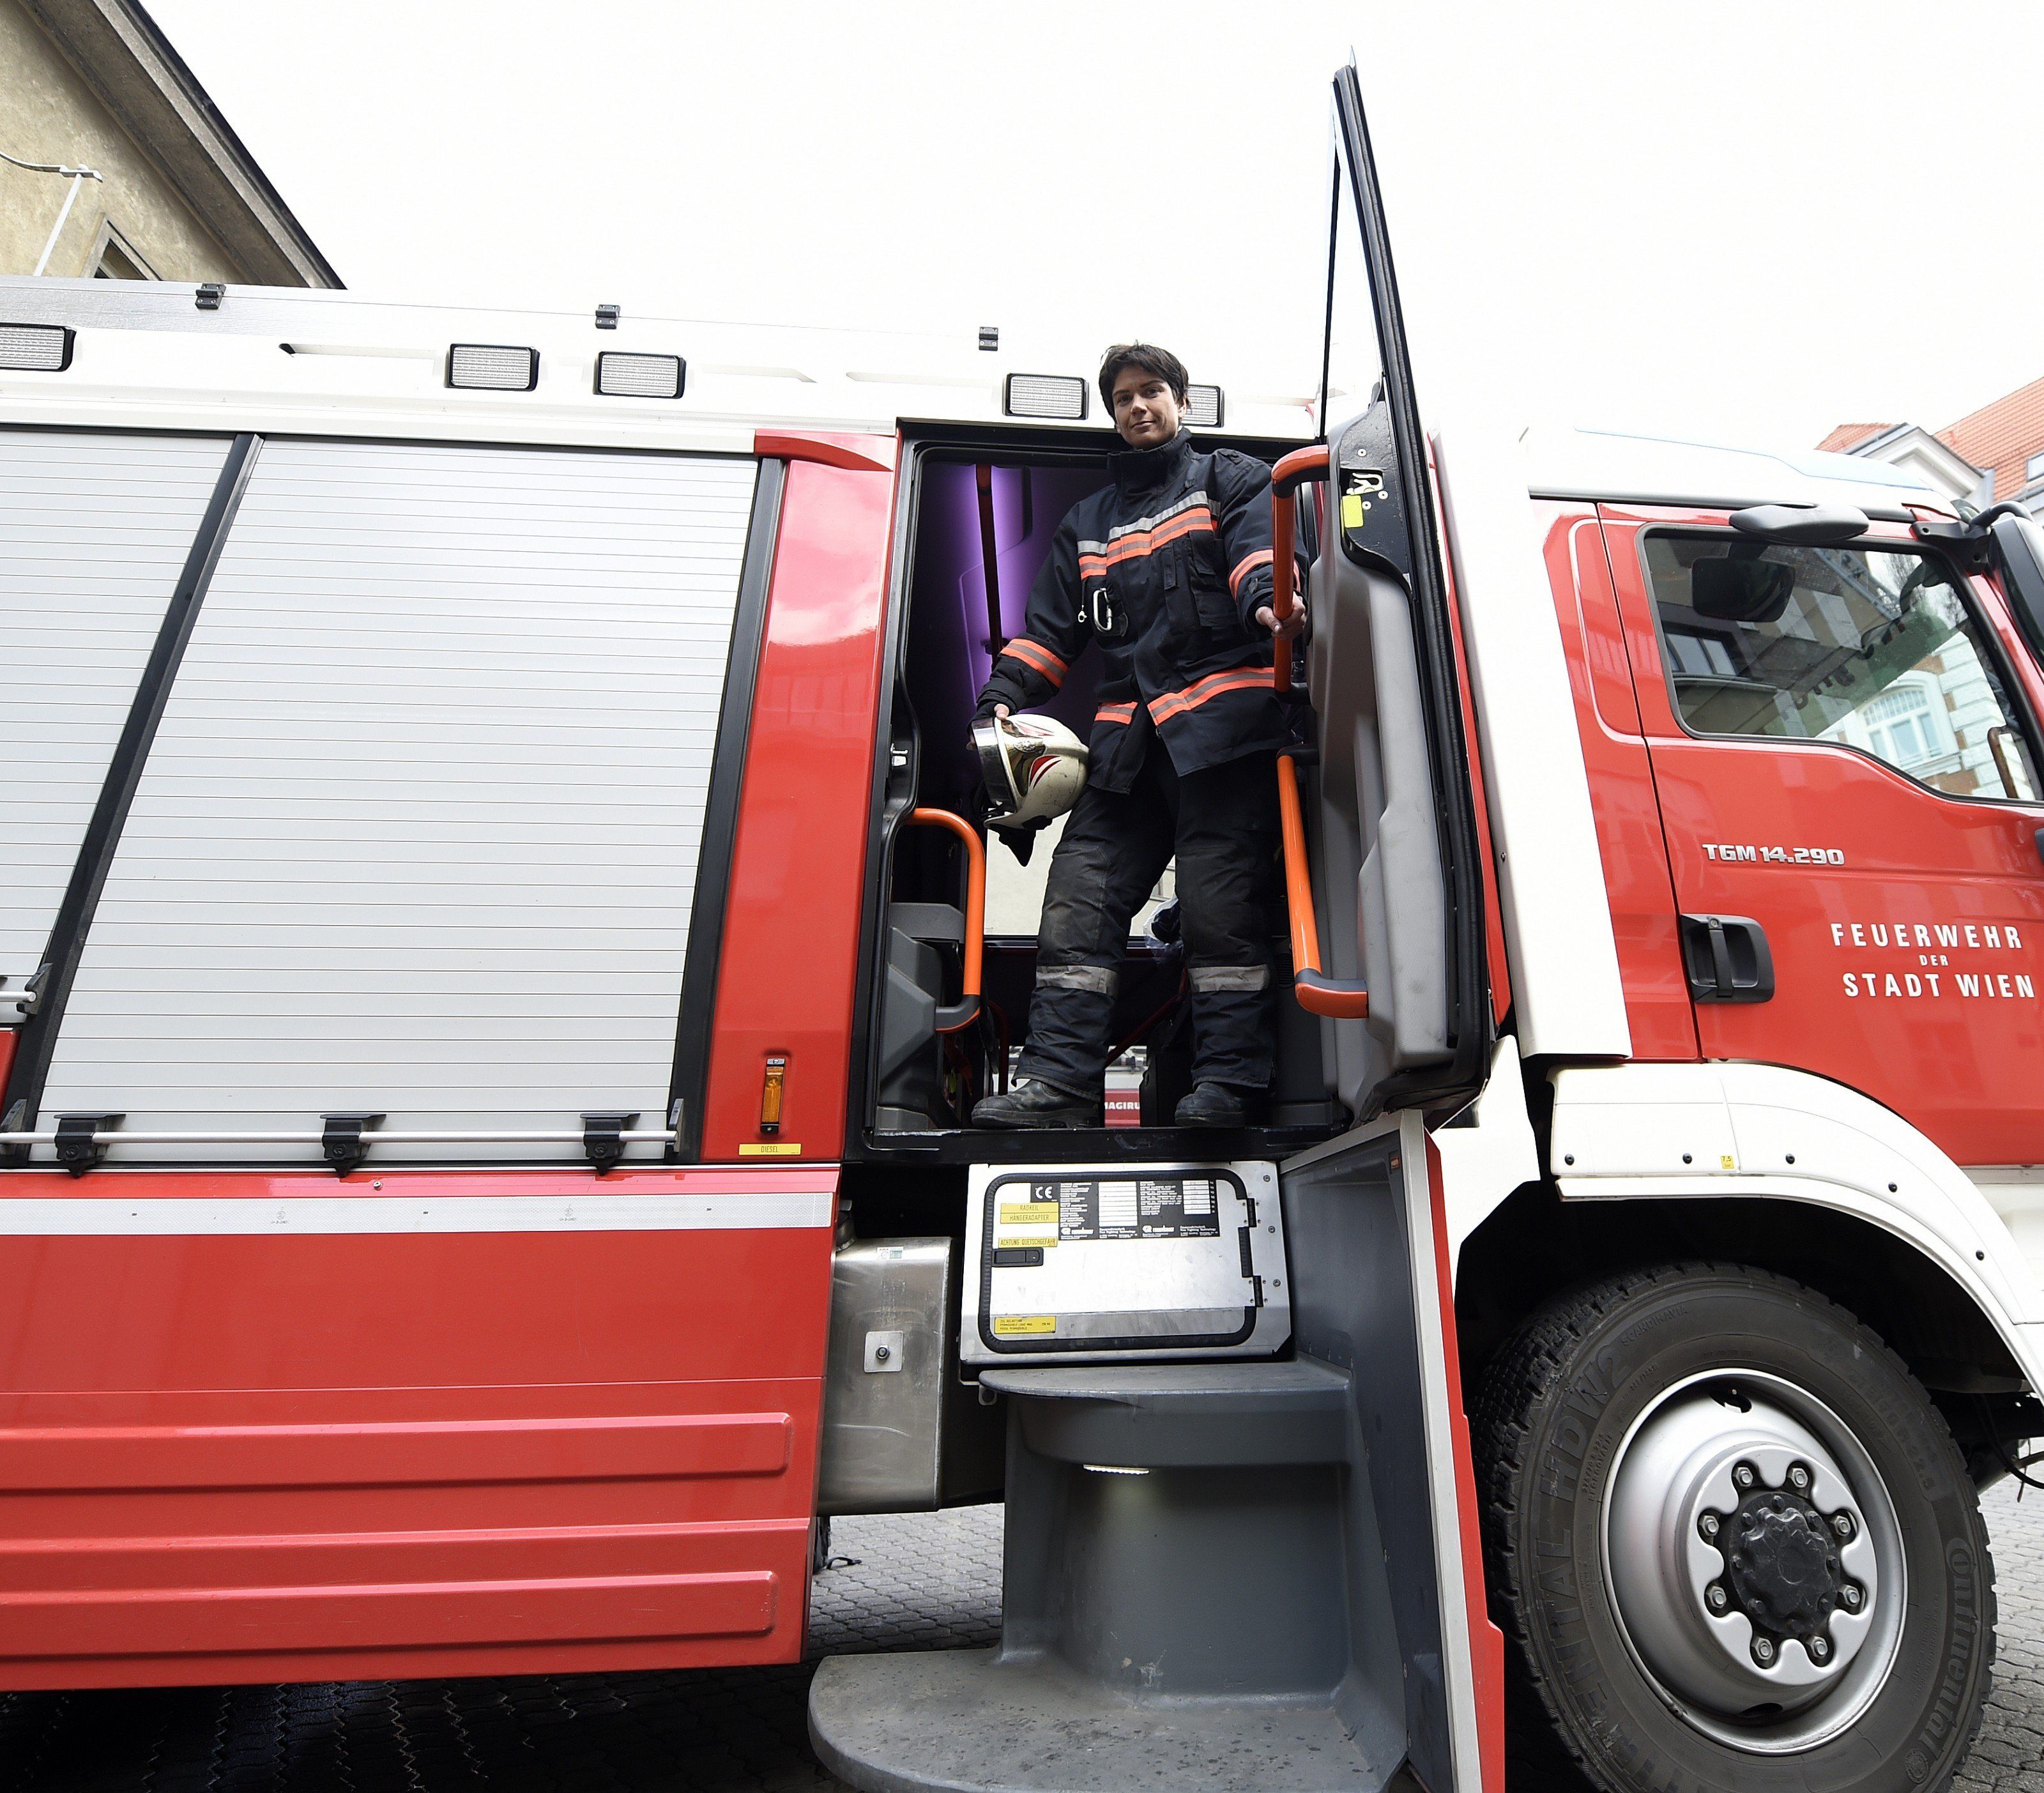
x: 498, y: 953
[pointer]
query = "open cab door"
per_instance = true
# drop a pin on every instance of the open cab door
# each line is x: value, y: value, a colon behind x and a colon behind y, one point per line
x: 1386, y: 869
x: 1241, y: 1530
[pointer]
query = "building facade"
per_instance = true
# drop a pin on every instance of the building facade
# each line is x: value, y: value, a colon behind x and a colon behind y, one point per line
x: 1939, y: 718
x: 170, y: 193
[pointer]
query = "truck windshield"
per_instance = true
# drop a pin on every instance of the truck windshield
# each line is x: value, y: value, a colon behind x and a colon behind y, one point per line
x: 1868, y: 648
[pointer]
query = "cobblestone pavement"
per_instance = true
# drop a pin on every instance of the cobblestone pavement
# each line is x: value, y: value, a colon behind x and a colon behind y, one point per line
x: 920, y: 1583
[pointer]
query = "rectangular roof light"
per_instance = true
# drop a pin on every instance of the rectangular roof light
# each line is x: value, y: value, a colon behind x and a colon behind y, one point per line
x: 36, y: 348
x: 1206, y: 408
x: 640, y: 376
x: 493, y: 366
x: 1044, y: 395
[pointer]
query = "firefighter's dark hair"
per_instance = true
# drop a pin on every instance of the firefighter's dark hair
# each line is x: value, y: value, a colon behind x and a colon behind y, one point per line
x: 1151, y: 359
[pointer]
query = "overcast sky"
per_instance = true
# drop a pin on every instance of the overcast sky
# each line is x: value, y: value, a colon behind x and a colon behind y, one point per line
x: 1736, y: 222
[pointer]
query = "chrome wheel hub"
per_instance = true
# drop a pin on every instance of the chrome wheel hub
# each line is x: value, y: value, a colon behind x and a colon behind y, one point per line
x: 1754, y: 1560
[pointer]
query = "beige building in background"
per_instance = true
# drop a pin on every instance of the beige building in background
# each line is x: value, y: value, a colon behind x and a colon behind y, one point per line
x: 94, y: 84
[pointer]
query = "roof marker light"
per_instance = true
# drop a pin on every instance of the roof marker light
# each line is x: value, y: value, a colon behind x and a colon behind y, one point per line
x: 623, y: 375
x: 36, y: 348
x: 1044, y: 395
x: 1206, y: 407
x: 493, y: 366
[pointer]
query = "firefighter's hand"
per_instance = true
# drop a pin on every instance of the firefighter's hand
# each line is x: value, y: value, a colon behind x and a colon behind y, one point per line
x: 1289, y: 628
x: 999, y: 713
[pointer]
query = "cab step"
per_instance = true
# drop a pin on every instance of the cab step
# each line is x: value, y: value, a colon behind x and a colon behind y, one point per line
x: 1195, y: 1597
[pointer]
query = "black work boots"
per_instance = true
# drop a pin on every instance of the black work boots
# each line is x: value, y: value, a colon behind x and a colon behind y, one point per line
x: 1033, y: 1102
x: 1221, y: 1105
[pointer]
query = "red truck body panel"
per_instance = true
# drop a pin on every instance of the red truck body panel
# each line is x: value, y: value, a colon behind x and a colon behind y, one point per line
x: 790, y: 954
x: 226, y: 1456
x: 1621, y: 781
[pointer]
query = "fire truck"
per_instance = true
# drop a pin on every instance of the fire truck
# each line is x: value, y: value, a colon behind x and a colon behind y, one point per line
x: 497, y: 956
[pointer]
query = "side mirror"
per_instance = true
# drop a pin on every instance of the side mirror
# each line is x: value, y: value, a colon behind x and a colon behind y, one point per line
x: 1810, y: 526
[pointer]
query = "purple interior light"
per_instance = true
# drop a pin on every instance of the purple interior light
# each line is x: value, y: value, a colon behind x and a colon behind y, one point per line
x: 948, y: 659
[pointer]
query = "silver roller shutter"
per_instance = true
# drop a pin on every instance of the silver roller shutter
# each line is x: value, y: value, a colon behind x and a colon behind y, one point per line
x: 418, y: 835
x: 94, y: 533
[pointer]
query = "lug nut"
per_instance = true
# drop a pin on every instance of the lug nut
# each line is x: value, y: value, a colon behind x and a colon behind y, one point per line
x: 1716, y: 1598
x: 1853, y: 1596
x: 1799, y: 1477
x: 1707, y: 1525
x: 1763, y: 1651
x: 1841, y: 1523
x: 1819, y: 1649
x: 1743, y: 1475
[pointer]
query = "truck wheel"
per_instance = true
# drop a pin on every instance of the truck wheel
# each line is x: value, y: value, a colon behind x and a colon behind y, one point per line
x: 1732, y: 1542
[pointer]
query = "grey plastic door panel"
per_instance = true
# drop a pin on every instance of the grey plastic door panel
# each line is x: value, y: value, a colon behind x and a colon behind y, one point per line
x: 94, y: 531
x: 1400, y: 872
x: 1367, y: 1303
x: 418, y: 833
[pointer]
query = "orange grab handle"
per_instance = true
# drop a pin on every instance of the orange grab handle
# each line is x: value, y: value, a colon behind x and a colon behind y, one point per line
x: 1296, y: 469
x: 1315, y: 993
x: 950, y: 1020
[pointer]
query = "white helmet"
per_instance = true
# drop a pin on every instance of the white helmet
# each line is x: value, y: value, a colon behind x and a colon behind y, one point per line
x: 1034, y: 768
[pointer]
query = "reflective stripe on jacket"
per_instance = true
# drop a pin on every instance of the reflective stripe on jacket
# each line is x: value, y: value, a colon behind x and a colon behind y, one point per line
x: 1165, y: 568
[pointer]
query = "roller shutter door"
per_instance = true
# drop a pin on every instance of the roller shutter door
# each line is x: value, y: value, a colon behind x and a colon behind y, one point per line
x: 418, y: 835
x: 94, y: 533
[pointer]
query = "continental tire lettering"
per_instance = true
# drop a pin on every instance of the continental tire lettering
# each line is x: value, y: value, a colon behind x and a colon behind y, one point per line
x: 1963, y: 1646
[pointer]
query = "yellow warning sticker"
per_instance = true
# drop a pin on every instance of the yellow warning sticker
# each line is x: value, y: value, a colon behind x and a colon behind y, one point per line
x: 770, y: 1148
x: 1726, y: 1161
x: 1353, y: 506
x: 1028, y: 1214
x: 1008, y: 1326
x: 1023, y: 1241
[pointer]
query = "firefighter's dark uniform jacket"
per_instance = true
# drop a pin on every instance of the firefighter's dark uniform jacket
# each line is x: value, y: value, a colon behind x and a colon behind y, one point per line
x: 1167, y: 567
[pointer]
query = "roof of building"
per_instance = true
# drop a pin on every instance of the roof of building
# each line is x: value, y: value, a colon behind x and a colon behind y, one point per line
x: 132, y: 70
x: 2002, y: 436
x: 1850, y: 436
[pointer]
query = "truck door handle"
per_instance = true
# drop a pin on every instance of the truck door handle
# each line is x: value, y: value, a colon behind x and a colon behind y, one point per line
x: 1727, y: 958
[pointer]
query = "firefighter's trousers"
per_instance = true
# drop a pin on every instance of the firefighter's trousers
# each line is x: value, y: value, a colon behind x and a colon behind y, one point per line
x: 1222, y: 823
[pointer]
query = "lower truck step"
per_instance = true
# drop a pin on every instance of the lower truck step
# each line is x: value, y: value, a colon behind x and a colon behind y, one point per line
x: 1197, y: 1596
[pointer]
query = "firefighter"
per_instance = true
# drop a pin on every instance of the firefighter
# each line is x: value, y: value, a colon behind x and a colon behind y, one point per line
x: 1169, y: 567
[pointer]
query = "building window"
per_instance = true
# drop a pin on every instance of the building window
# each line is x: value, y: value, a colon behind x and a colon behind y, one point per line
x: 2034, y: 469
x: 1901, y: 726
x: 115, y: 258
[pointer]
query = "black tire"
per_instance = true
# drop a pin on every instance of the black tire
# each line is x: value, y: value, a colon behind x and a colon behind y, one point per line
x: 1555, y: 1409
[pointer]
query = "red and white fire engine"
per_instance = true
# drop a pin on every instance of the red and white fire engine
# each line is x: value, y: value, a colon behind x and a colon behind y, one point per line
x: 496, y: 965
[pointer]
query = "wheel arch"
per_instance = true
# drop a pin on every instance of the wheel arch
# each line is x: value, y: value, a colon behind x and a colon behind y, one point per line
x: 1534, y: 1246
